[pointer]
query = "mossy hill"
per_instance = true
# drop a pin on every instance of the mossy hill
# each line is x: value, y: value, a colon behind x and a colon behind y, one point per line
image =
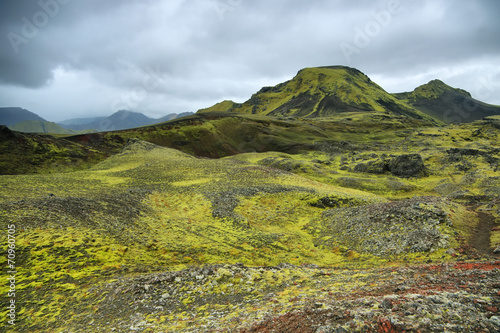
x: 326, y: 91
x: 322, y: 92
x: 450, y: 105
x: 25, y: 153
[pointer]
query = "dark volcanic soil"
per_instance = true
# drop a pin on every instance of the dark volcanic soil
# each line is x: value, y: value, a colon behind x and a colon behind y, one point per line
x: 480, y: 239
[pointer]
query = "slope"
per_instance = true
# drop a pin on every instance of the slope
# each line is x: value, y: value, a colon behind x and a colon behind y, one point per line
x: 25, y: 153
x: 323, y: 92
x: 156, y: 234
x: 450, y: 105
x: 40, y: 126
x: 12, y: 115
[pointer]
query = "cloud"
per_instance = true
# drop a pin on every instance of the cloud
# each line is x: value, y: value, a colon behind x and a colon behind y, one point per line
x: 198, y: 52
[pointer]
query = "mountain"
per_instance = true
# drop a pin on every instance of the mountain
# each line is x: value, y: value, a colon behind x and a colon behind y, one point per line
x: 450, y: 105
x: 322, y: 92
x: 40, y: 126
x: 79, y: 121
x: 12, y: 115
x: 120, y: 120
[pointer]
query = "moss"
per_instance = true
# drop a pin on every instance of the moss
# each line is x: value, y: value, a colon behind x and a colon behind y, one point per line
x: 150, y: 209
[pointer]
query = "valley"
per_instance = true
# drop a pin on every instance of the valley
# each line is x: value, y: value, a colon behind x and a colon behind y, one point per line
x: 323, y: 204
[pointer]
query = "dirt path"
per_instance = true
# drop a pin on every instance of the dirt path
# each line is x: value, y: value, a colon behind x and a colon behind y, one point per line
x: 480, y: 238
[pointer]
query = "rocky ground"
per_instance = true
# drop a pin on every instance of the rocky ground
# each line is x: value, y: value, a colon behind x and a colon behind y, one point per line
x: 454, y: 297
x: 332, y: 240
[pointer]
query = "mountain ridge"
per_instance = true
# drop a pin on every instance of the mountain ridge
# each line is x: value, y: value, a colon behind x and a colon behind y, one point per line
x: 328, y: 90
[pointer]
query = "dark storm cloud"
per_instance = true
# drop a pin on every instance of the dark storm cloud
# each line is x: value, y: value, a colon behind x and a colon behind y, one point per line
x: 180, y: 55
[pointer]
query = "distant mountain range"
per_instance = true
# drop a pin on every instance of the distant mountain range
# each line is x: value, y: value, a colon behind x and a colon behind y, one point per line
x: 22, y: 120
x: 325, y: 91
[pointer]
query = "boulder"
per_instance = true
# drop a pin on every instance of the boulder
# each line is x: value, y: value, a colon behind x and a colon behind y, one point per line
x: 377, y: 167
x: 404, y: 166
x: 408, y: 165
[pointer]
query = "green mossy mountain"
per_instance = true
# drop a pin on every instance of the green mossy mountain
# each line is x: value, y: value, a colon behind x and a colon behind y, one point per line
x: 450, y: 105
x: 327, y: 91
x: 322, y: 92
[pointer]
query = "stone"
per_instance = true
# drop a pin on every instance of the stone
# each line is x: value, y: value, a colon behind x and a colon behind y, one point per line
x: 386, y: 304
x: 407, y: 165
x: 495, y: 320
x: 376, y: 167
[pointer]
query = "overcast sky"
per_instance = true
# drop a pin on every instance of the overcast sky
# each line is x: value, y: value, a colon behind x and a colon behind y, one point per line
x: 74, y: 58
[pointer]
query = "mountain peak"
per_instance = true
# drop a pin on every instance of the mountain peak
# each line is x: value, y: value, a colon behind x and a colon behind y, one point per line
x: 435, y: 89
x: 121, y: 112
x: 448, y: 104
x: 336, y: 68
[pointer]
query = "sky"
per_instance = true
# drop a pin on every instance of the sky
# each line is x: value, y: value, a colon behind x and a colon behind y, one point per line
x: 73, y: 58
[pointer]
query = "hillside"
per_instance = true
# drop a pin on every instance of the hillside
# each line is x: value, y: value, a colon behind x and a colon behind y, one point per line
x: 450, y: 105
x: 13, y: 115
x: 337, y: 224
x: 322, y: 92
x: 362, y: 220
x: 26, y: 153
x: 40, y: 126
x: 172, y: 116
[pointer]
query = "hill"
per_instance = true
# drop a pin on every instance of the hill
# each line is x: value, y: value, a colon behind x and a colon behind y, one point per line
x: 322, y: 92
x: 13, y: 115
x: 40, y: 126
x: 450, y: 105
x: 26, y: 153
